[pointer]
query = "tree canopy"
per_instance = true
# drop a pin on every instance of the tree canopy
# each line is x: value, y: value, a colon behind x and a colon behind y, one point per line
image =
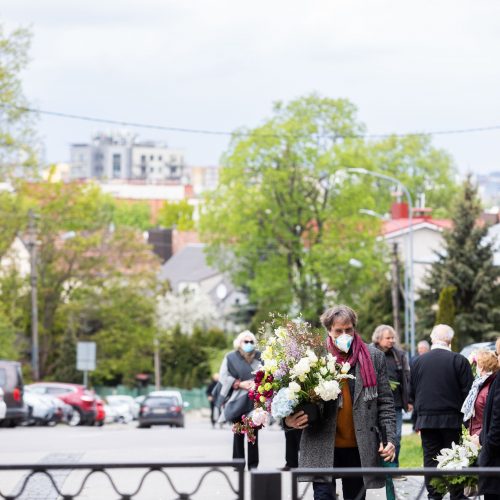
x: 285, y: 220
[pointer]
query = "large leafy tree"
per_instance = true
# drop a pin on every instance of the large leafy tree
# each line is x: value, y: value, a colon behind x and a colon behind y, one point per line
x: 177, y: 214
x: 285, y: 218
x: 464, y: 273
x: 16, y: 124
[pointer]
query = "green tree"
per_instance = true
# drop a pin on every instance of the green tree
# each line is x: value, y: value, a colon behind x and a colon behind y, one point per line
x: 16, y: 124
x: 446, y: 306
x: 178, y: 214
x: 465, y: 264
x: 285, y: 218
x: 136, y: 215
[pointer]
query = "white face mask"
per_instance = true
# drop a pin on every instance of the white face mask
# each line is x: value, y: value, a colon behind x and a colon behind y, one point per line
x: 343, y: 342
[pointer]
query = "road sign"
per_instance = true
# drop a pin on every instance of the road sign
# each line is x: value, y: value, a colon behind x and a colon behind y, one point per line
x: 85, y: 356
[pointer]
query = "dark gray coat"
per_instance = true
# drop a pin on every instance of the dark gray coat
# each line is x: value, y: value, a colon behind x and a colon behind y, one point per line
x: 318, y: 442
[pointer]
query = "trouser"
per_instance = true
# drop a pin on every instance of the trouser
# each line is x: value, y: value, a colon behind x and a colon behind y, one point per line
x: 399, y: 428
x: 433, y: 441
x: 292, y: 446
x: 212, y: 413
x: 491, y: 496
x: 353, y: 488
x: 253, y: 449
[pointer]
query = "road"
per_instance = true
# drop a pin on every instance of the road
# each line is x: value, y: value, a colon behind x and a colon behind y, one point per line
x: 125, y: 442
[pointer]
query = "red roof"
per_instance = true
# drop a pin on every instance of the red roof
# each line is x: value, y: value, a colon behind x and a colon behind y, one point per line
x: 394, y: 225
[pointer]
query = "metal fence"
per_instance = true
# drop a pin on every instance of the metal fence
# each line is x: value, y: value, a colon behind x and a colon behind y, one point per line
x: 298, y: 475
x: 165, y: 469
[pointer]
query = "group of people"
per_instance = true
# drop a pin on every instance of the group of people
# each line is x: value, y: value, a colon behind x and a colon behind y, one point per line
x: 362, y: 428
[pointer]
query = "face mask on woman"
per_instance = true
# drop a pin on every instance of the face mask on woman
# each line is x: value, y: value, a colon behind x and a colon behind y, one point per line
x: 343, y: 342
x: 248, y: 347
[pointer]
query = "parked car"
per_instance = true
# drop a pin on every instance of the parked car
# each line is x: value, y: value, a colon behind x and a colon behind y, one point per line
x: 3, y: 406
x: 11, y: 382
x: 468, y: 349
x: 162, y: 408
x: 81, y: 399
x: 41, y: 409
x: 125, y: 406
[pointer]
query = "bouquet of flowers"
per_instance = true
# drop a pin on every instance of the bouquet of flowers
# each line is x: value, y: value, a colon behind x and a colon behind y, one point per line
x: 295, y: 370
x: 457, y: 457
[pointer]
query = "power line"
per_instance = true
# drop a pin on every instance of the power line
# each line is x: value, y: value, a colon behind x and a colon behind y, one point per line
x: 125, y: 123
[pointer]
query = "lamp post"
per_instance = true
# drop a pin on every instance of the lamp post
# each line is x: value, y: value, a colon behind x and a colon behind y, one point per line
x: 408, y: 277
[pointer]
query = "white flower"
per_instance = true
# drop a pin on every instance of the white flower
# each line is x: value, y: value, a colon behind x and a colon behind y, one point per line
x: 259, y: 416
x: 301, y: 369
x: 312, y: 356
x: 345, y: 368
x: 294, y: 388
x: 328, y: 390
x: 323, y: 370
x: 270, y: 365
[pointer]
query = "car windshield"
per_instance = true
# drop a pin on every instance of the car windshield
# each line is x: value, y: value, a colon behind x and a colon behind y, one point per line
x: 160, y: 401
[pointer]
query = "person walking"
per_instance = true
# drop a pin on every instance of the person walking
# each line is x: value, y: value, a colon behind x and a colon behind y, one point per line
x: 347, y: 434
x: 439, y: 383
x: 210, y: 388
x: 398, y: 370
x: 236, y: 377
x: 489, y: 456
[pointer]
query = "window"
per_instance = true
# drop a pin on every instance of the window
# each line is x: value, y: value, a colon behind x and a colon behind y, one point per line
x: 151, y: 157
x: 143, y: 158
x: 117, y: 165
x: 159, y: 157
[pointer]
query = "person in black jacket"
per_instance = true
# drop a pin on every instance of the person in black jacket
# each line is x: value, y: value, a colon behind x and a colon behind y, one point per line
x: 210, y: 397
x: 439, y: 383
x: 398, y: 370
x: 490, y: 439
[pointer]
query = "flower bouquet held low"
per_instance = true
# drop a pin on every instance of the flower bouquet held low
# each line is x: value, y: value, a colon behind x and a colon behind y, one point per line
x: 296, y: 373
x: 457, y: 457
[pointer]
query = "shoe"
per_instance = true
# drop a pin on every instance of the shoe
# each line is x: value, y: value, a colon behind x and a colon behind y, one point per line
x: 399, y: 478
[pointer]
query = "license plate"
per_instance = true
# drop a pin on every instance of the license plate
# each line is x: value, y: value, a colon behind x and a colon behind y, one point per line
x: 159, y: 410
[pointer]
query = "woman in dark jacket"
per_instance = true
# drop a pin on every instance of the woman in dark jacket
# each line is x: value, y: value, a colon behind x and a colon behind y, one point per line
x: 236, y: 377
x: 490, y: 440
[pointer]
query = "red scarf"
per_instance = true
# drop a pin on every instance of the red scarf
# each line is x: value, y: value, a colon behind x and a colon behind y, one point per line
x: 357, y: 353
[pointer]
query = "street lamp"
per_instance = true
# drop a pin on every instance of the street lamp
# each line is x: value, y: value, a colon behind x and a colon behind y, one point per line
x: 408, y: 277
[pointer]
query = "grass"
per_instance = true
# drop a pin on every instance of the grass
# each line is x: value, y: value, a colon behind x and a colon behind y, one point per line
x: 411, y: 451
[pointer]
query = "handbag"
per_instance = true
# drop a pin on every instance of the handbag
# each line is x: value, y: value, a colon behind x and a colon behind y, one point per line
x: 235, y: 409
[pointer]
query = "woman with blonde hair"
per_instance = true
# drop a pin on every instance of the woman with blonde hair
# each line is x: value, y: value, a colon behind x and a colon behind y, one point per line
x: 236, y: 377
x: 473, y: 407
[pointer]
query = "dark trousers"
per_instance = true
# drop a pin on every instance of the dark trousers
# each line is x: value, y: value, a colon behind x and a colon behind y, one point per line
x: 292, y: 447
x: 212, y: 413
x: 353, y: 488
x: 253, y: 449
x: 433, y: 441
x: 491, y: 496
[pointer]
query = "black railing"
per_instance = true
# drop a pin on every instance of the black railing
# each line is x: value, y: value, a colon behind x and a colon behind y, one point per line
x: 48, y: 470
x: 308, y: 475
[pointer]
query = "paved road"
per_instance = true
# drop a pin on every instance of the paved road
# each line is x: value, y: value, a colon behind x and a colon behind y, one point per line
x: 117, y: 442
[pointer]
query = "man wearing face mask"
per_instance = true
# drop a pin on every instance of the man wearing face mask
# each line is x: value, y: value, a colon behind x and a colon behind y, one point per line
x: 353, y: 428
x: 236, y: 377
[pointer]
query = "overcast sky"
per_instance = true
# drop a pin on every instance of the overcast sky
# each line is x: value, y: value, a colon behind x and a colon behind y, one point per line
x: 219, y: 64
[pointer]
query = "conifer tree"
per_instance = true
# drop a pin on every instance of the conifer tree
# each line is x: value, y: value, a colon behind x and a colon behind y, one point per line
x: 465, y: 263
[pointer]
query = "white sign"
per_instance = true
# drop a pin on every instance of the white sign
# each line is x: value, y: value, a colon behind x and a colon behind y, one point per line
x: 85, y: 356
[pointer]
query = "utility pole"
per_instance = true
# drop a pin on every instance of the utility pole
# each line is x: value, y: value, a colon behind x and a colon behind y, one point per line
x: 32, y: 247
x: 157, y: 364
x: 395, y: 289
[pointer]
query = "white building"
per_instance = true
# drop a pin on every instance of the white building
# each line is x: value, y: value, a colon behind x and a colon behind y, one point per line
x: 120, y: 155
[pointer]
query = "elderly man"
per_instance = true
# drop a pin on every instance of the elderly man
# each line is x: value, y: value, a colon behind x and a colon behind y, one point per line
x: 398, y: 370
x: 423, y: 347
x: 439, y: 383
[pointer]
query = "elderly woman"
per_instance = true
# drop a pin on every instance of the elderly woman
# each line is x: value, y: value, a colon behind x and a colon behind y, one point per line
x: 473, y: 407
x: 348, y: 435
x: 398, y: 370
x: 236, y: 377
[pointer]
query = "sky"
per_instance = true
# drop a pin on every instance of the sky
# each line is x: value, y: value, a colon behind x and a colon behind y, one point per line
x: 218, y: 65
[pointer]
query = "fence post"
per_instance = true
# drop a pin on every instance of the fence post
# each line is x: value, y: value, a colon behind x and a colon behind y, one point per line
x: 265, y: 485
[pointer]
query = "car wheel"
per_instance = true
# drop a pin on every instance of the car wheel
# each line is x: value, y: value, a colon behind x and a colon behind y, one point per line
x: 143, y: 426
x: 76, y: 417
x: 99, y: 423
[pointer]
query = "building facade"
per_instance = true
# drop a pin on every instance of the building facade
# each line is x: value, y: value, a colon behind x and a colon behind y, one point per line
x: 120, y: 155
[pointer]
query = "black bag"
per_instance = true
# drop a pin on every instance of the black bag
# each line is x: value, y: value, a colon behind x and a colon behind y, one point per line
x: 218, y: 399
x: 235, y: 409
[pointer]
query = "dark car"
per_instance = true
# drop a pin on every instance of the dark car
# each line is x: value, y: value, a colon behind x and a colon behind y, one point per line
x: 161, y: 409
x: 81, y: 399
x: 11, y: 382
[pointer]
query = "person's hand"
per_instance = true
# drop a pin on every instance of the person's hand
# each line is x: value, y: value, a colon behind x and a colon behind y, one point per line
x: 388, y: 453
x: 246, y: 384
x: 410, y: 407
x: 210, y: 398
x: 297, y: 420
